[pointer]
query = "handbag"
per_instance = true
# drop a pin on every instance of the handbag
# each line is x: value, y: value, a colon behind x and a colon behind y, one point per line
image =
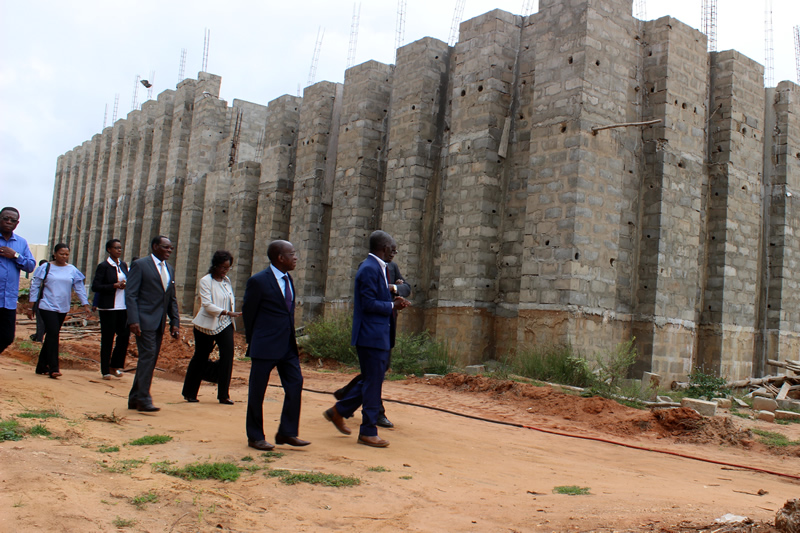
x: 41, y: 289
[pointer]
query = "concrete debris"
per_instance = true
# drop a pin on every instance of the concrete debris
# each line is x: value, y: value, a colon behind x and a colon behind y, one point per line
x: 723, y: 403
x: 766, y: 416
x: 701, y: 406
x: 786, y: 415
x: 764, y: 404
x: 731, y: 519
x: 473, y: 370
x: 788, y: 518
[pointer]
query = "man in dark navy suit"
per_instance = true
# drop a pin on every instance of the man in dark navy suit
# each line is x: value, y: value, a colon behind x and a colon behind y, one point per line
x: 268, y: 313
x: 373, y: 306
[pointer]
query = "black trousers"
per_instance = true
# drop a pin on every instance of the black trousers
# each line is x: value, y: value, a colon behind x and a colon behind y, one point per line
x: 113, y: 323
x: 203, y: 346
x: 8, y: 326
x: 148, y: 345
x: 292, y: 381
x: 48, y: 355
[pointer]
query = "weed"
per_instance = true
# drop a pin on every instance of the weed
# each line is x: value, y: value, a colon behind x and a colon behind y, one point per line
x: 113, y: 418
x: 150, y: 439
x: 702, y: 385
x: 419, y: 353
x: 27, y: 346
x: 770, y: 438
x: 555, y: 363
x: 571, y: 490
x: 122, y: 522
x: 108, y: 502
x: 18, y: 504
x: 251, y: 468
x: 220, y: 471
x: 108, y: 449
x: 740, y: 415
x: 247, y: 458
x: 329, y: 338
x: 139, y: 501
x: 406, y: 477
x: 39, y: 430
x: 50, y: 413
x: 124, y: 466
x: 378, y: 469
x: 270, y: 456
x: 786, y: 422
x: 315, y: 478
x: 10, y: 430
x: 613, y: 366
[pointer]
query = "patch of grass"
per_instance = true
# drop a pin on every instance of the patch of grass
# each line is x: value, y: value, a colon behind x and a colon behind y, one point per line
x: 706, y: 386
x: 771, y: 438
x: 28, y: 346
x: 39, y: 431
x: 113, y: 418
x: 555, y: 363
x: 124, y: 466
x: 251, y: 468
x: 271, y: 456
x: 613, y: 365
x: 329, y: 338
x: 150, y: 439
x: 315, y: 478
x: 108, y: 449
x: 220, y: 471
x: 122, y: 522
x: 787, y: 422
x: 406, y: 477
x: 571, y: 490
x: 50, y: 413
x: 247, y: 458
x: 419, y: 354
x: 741, y: 415
x: 378, y: 469
x: 10, y: 430
x: 141, y: 500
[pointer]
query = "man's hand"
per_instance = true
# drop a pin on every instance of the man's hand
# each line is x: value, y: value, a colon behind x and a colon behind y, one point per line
x: 5, y: 251
x: 135, y: 329
x: 30, y: 314
x: 400, y: 303
x: 175, y: 331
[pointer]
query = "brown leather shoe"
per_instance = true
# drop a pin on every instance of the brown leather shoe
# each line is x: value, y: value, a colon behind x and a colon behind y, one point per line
x: 262, y: 445
x: 332, y: 415
x: 375, y: 442
x: 291, y: 441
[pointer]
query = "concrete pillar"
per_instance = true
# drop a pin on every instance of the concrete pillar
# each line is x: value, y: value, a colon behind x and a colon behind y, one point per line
x: 413, y: 175
x: 72, y: 198
x: 673, y: 182
x: 96, y: 251
x: 240, y: 240
x: 157, y: 175
x: 317, y: 145
x: 728, y: 316
x: 84, y: 214
x: 113, y: 181
x: 139, y: 181
x: 55, y: 210
x: 277, y: 176
x: 360, y: 174
x: 130, y: 153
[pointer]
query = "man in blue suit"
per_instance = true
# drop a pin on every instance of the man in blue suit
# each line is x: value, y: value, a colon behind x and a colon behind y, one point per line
x: 372, y: 322
x: 268, y: 313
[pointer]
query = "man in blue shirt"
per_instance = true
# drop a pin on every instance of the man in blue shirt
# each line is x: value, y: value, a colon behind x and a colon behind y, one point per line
x: 14, y: 256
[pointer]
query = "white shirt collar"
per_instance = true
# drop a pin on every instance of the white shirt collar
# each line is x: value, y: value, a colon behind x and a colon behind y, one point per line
x: 112, y: 262
x: 380, y: 261
x: 278, y: 274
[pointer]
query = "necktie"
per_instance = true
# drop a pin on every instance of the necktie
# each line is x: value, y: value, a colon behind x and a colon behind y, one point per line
x: 287, y: 292
x: 164, y: 275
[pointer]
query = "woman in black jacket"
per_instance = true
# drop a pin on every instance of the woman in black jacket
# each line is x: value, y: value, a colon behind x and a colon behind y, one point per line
x: 109, y: 284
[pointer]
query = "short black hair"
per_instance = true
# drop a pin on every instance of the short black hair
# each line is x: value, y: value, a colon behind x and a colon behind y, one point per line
x: 10, y: 209
x: 378, y: 240
x: 220, y: 256
x: 59, y: 246
x: 42, y: 261
x: 110, y: 243
x: 276, y: 248
x: 157, y: 240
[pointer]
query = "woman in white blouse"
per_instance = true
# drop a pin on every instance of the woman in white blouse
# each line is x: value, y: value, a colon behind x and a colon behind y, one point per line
x: 109, y: 288
x: 213, y: 325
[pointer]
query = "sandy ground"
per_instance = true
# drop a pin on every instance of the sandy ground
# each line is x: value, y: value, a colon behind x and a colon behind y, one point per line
x: 442, y: 472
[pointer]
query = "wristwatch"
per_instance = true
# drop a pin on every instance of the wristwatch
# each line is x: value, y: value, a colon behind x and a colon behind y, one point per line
x: 16, y: 255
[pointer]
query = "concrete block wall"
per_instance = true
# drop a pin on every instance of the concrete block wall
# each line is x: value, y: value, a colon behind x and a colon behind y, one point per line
x: 518, y: 222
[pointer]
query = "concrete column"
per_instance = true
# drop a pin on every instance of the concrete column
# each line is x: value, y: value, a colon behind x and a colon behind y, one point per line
x: 110, y: 214
x: 130, y: 152
x: 413, y: 176
x: 73, y: 195
x: 736, y: 140
x: 139, y: 181
x: 157, y: 175
x: 240, y: 240
x: 56, y: 205
x: 360, y: 174
x: 96, y: 245
x: 317, y: 145
x: 84, y: 214
x: 277, y: 176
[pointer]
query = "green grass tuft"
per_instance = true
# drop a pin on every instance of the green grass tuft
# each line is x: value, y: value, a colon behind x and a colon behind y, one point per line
x: 139, y: 501
x: 771, y: 438
x: 314, y: 478
x: 10, y: 430
x: 555, y: 363
x: 122, y: 522
x: 124, y: 466
x: 378, y: 469
x: 329, y: 338
x: 271, y: 456
x: 247, y: 458
x: 571, y: 490
x: 220, y: 471
x: 406, y: 477
x: 108, y: 449
x: 40, y: 414
x: 39, y: 430
x: 150, y: 439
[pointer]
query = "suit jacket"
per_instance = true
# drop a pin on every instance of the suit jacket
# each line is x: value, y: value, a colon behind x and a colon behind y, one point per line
x: 268, y: 324
x: 147, y: 302
x: 404, y: 290
x: 105, y: 276
x: 212, y: 296
x: 372, y: 307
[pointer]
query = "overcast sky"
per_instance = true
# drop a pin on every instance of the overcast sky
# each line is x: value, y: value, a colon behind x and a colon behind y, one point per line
x: 62, y: 62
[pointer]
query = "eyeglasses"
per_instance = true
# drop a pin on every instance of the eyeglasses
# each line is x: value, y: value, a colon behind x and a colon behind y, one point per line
x: 9, y: 219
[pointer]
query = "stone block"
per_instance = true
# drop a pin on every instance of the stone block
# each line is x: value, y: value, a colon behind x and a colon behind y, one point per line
x: 701, y: 406
x: 766, y: 416
x: 474, y: 370
x: 764, y: 404
x: 788, y: 404
x: 724, y: 403
x: 786, y: 415
x: 649, y: 385
x: 664, y: 399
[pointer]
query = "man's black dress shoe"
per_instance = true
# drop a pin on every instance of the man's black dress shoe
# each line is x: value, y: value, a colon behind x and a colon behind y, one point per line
x: 384, y: 422
x: 132, y: 406
x: 291, y: 441
x: 226, y: 401
x: 261, y: 445
x: 191, y: 400
x: 149, y: 408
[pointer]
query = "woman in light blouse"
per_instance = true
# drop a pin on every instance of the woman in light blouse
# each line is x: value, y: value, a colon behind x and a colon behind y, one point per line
x: 61, y: 279
x: 109, y: 288
x: 213, y: 325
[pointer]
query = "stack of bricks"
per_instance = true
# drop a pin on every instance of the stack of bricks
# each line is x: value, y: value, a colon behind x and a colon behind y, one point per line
x: 518, y: 221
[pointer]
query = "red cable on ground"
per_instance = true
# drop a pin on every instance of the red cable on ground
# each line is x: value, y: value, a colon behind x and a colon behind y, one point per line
x: 583, y: 437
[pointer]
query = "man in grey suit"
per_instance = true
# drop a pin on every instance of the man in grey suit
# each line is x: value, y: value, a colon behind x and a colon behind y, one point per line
x: 150, y: 298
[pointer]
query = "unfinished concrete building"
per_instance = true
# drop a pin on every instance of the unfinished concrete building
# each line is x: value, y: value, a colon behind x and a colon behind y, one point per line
x: 527, y: 207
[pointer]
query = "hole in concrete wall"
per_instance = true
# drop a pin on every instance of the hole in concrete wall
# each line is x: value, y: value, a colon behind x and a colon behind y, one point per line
x: 569, y: 60
x: 797, y: 155
x: 719, y: 148
x: 652, y: 89
x: 648, y: 235
x: 413, y: 107
x: 494, y: 211
x: 744, y: 187
x: 547, y: 243
x: 769, y: 306
x: 577, y: 256
x: 480, y: 88
x: 521, y: 116
x: 716, y: 194
x: 347, y: 129
x: 683, y: 105
x: 612, y: 261
x: 651, y: 186
x: 713, y: 238
x: 430, y: 140
x: 597, y: 62
x: 676, y: 102
x: 695, y: 110
x: 463, y: 92
x: 681, y: 164
x: 563, y: 128
x: 436, y: 57
x: 772, y: 244
x: 645, y: 286
x: 744, y: 131
x: 650, y: 54
x: 709, y: 308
